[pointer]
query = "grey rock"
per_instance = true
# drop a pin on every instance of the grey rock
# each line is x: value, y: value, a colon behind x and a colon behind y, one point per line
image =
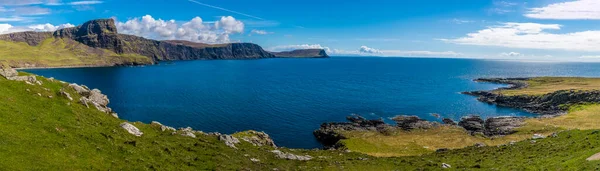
x: 289, y: 156
x: 66, y: 95
x: 255, y: 160
x: 8, y: 72
x: 81, y: 90
x: 503, y: 125
x: 473, y: 124
x: 448, y: 121
x: 229, y: 140
x: 537, y: 136
x: 259, y: 139
x: 131, y: 129
x: 413, y: 122
x: 446, y: 166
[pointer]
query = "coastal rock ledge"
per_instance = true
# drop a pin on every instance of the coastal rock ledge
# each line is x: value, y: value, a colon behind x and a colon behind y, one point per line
x: 329, y: 134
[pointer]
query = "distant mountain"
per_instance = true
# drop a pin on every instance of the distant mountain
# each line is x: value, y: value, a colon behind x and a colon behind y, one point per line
x: 302, y: 53
x: 98, y: 43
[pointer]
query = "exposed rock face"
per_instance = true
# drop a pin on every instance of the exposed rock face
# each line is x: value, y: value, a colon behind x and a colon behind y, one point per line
x: 131, y: 129
x: 259, y: 139
x: 413, y: 122
x: 473, y: 124
x: 96, y: 33
x: 12, y: 74
x: 94, y: 98
x: 549, y: 104
x: 229, y: 140
x: 183, y: 50
x: 8, y: 72
x: 164, y: 128
x: 31, y: 38
x: 302, y: 53
x: 289, y: 156
x: 448, y: 121
x: 503, y: 125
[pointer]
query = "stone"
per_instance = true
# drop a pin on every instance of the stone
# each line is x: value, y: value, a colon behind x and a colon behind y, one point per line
x: 446, y: 166
x: 255, y: 160
x: 84, y: 101
x: 229, y: 140
x: 554, y: 135
x: 480, y: 145
x: 537, y: 136
x: 512, y: 142
x: 66, y: 95
x: 81, y: 90
x: 114, y: 115
x: 131, y: 129
x: 8, y: 72
x: 503, y: 125
x: 187, y: 132
x: 289, y: 156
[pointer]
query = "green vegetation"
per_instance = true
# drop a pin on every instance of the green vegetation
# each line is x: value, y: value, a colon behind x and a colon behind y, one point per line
x: 545, y: 85
x: 40, y: 132
x: 54, y: 52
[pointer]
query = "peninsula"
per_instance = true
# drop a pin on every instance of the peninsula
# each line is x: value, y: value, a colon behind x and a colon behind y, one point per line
x: 98, y: 43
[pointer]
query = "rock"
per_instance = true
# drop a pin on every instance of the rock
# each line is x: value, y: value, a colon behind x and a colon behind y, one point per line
x: 448, y: 121
x: 413, y: 122
x: 84, y: 101
x: 39, y: 94
x: 66, y: 95
x: 114, y: 115
x: 512, y: 142
x: 259, y: 139
x: 446, y: 166
x: 187, y: 132
x: 537, y: 136
x: 503, y: 125
x: 164, y: 128
x: 328, y: 134
x: 289, y: 156
x: 229, y: 140
x: 442, y: 150
x: 131, y: 129
x: 594, y: 157
x: 473, y: 124
x: 480, y: 145
x: 533, y: 141
x: 255, y: 160
x: 80, y: 90
x: 97, y: 97
x: 554, y: 135
x: 8, y: 73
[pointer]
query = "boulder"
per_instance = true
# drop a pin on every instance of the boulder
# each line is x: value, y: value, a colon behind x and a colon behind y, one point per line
x: 187, y: 132
x: 448, y: 121
x: 81, y: 90
x: 229, y: 140
x: 164, y: 128
x: 8, y: 73
x: 66, y: 95
x: 289, y: 156
x: 97, y: 97
x: 538, y: 136
x: 131, y: 129
x: 446, y: 166
x: 473, y: 124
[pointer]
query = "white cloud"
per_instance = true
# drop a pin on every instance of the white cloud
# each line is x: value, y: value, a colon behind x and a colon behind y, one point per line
x: 195, y: 30
x: 30, y: 10
x: 19, y: 2
x: 15, y: 19
x: 85, y: 2
x: 368, y: 50
x: 260, y: 32
x: 590, y: 57
x: 531, y: 36
x: 579, y: 9
x: 296, y: 47
x: 461, y: 21
x: 511, y: 54
x: 7, y: 28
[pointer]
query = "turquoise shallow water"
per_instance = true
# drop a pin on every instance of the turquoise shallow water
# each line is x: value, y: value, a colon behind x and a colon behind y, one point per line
x: 289, y: 98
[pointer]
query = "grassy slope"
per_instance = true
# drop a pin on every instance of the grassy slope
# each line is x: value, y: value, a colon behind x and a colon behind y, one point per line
x: 61, y: 52
x: 42, y: 133
x: 545, y: 85
x: 402, y: 143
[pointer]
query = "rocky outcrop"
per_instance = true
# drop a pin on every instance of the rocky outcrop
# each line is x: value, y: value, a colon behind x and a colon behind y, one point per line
x: 30, y: 37
x: 492, y: 126
x: 551, y: 104
x: 12, y: 74
x: 100, y: 33
x: 328, y: 134
x: 290, y: 156
x: 257, y: 138
x: 131, y: 129
x: 473, y: 124
x: 229, y: 140
x: 93, y: 98
x: 413, y: 122
x: 302, y: 53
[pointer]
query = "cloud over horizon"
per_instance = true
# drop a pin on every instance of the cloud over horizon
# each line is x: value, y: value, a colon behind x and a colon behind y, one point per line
x: 572, y: 10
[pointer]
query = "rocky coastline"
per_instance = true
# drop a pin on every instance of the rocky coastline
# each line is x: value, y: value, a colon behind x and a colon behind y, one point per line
x: 330, y: 134
x: 547, y: 105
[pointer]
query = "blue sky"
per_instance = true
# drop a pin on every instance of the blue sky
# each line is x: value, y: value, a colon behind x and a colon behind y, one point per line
x: 540, y: 30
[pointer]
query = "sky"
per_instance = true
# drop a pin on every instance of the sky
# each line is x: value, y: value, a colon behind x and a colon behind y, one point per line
x: 528, y: 30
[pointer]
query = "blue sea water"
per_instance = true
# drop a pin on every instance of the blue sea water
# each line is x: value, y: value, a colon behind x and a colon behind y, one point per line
x: 289, y: 98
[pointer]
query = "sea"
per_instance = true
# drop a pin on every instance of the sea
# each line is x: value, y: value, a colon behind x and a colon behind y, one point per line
x: 290, y: 98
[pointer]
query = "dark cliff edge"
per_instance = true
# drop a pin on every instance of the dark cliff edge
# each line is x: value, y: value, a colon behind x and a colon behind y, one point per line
x: 302, y: 53
x: 103, y: 34
x: 547, y: 105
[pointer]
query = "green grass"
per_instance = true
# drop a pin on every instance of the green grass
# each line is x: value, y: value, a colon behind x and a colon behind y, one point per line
x: 54, y: 52
x: 42, y: 133
x: 545, y: 85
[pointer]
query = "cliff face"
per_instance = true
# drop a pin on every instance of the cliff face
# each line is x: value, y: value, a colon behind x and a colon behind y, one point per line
x: 302, y: 53
x: 96, y: 33
x: 103, y: 34
x: 183, y: 50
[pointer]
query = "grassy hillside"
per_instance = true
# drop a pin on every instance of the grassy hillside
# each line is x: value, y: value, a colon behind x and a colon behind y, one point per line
x: 54, y: 52
x: 39, y: 132
x: 545, y: 85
